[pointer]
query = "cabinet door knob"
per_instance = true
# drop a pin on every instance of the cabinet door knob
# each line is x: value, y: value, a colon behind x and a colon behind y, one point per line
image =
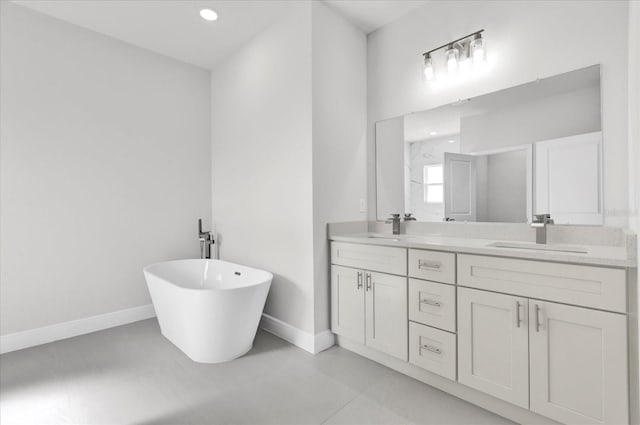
x: 368, y: 288
x: 359, y: 280
x: 518, y: 320
x: 537, y: 311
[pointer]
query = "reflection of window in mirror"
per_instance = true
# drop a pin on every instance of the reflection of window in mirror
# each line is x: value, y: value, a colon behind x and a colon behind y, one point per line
x: 433, y: 184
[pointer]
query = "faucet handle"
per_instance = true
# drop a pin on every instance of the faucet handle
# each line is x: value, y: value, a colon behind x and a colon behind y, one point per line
x: 542, y: 218
x: 409, y: 217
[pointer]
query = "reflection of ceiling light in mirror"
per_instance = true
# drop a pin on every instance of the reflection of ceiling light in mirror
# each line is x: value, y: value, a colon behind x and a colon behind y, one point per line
x: 208, y: 14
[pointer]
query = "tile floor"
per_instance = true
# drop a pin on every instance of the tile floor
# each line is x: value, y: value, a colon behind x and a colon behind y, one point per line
x: 132, y: 375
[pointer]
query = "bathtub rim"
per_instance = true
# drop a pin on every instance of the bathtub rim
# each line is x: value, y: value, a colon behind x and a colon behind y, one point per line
x: 268, y: 279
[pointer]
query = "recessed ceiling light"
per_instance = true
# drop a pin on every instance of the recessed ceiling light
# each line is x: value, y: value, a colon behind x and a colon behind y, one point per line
x: 433, y: 133
x: 208, y: 14
x: 452, y: 141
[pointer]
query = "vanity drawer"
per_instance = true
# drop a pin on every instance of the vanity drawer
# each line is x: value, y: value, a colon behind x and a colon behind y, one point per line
x: 433, y: 350
x: 432, y: 304
x: 587, y: 286
x: 384, y: 259
x: 432, y: 265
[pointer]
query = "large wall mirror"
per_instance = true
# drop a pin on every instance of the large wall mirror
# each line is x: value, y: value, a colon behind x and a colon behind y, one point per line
x: 500, y: 157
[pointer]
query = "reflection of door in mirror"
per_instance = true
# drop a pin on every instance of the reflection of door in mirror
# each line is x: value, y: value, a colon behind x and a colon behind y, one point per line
x: 459, y: 187
x: 568, y: 184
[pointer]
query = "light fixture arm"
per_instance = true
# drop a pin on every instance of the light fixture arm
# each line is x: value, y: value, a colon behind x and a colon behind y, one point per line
x: 473, y: 34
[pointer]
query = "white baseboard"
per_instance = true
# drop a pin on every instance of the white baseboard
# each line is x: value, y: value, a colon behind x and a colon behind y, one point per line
x: 305, y: 340
x: 33, y: 337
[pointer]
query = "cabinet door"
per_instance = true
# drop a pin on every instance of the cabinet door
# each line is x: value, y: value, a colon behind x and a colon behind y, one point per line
x: 387, y: 322
x: 493, y: 341
x: 578, y: 361
x: 347, y: 303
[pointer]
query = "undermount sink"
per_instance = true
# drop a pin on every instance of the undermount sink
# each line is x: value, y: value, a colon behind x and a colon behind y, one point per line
x: 538, y: 247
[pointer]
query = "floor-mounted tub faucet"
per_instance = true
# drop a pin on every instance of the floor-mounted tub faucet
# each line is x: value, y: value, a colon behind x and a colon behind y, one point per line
x: 540, y: 222
x: 206, y: 240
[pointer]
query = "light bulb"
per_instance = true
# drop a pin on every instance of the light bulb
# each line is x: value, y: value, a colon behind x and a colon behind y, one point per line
x: 452, y: 60
x: 429, y: 72
x: 478, y: 50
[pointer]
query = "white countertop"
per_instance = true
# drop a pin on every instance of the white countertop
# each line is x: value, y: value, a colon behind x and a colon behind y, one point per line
x: 610, y: 256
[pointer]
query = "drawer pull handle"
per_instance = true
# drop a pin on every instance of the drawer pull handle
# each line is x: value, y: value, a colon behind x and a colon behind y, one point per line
x: 431, y: 302
x: 359, y: 280
x: 537, y: 310
x: 518, y: 321
x: 433, y: 265
x: 368, y: 288
x: 431, y: 348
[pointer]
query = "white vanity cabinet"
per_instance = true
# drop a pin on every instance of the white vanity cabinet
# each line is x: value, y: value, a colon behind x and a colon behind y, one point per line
x: 347, y: 303
x: 578, y: 364
x: 386, y: 313
x: 564, y: 362
x: 370, y: 307
x: 493, y: 344
x: 548, y: 337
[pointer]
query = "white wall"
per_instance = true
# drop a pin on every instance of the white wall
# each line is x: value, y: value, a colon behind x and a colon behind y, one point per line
x: 104, y: 169
x: 634, y: 147
x: 262, y: 163
x: 634, y: 115
x: 521, y: 49
x: 289, y: 154
x: 339, y: 52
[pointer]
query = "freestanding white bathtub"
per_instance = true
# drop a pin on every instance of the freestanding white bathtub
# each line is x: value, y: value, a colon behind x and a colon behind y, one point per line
x: 210, y: 309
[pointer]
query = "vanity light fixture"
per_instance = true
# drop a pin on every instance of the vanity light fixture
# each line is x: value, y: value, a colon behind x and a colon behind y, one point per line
x: 452, y: 59
x: 478, y: 51
x: 460, y: 54
x: 208, y: 15
x: 429, y: 72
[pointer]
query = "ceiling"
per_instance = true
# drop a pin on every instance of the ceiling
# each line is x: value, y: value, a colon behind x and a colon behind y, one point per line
x: 174, y: 28
x: 369, y: 15
x: 171, y: 27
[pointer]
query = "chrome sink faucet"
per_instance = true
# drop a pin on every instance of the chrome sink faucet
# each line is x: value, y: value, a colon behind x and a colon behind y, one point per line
x: 206, y: 240
x: 395, y: 221
x: 540, y: 222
